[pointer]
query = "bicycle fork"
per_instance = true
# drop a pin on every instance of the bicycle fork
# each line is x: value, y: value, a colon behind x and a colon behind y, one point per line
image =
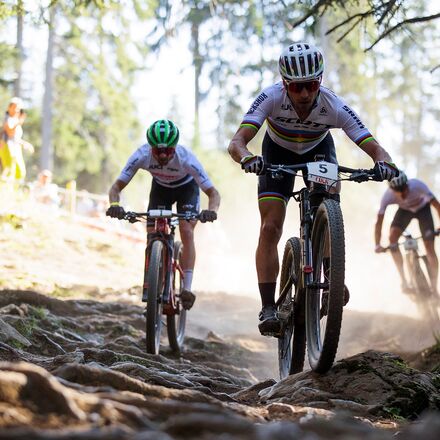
x: 306, y: 243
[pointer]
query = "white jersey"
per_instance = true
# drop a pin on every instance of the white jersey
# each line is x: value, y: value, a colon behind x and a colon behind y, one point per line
x: 418, y: 196
x: 285, y: 127
x: 181, y: 169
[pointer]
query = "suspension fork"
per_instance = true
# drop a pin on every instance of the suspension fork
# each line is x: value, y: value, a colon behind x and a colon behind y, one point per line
x: 305, y: 231
x: 169, y: 246
x: 305, y: 278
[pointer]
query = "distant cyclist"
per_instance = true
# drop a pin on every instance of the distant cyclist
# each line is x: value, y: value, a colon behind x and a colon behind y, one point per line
x: 414, y: 199
x: 299, y: 113
x: 177, y: 177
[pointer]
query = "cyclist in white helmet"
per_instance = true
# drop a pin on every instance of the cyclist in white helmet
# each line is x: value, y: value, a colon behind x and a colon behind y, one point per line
x: 414, y: 200
x: 299, y: 113
x: 177, y: 178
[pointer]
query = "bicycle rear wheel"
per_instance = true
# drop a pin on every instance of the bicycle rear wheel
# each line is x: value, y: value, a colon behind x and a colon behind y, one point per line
x: 418, y: 277
x: 176, y: 323
x: 325, y: 298
x: 427, y: 301
x: 155, y: 284
x: 292, y: 343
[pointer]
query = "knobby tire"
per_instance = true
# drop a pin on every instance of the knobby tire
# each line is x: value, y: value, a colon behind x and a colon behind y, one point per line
x: 176, y: 323
x: 328, y: 249
x: 426, y: 302
x: 155, y: 282
x: 292, y: 343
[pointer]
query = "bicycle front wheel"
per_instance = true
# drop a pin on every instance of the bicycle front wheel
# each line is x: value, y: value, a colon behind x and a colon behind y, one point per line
x: 155, y: 285
x: 292, y: 343
x: 325, y: 297
x: 176, y: 322
x: 427, y: 302
x: 418, y: 277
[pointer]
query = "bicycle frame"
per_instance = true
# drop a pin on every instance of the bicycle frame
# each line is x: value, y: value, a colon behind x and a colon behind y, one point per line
x: 312, y: 296
x: 306, y: 216
x: 164, y: 230
x: 413, y: 257
x: 306, y: 268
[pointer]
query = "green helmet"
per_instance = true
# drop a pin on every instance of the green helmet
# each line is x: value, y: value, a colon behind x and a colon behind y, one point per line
x: 163, y: 133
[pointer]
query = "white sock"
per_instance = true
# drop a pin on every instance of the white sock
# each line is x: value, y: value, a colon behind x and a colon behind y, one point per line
x: 187, y: 280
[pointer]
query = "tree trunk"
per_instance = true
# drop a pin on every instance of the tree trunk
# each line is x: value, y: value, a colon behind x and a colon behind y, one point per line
x: 197, y: 72
x: 46, y: 160
x: 19, y: 49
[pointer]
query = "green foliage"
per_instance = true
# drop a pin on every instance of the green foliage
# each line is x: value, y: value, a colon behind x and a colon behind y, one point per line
x: 394, y: 412
x: 94, y: 124
x: 26, y: 326
x: 8, y: 8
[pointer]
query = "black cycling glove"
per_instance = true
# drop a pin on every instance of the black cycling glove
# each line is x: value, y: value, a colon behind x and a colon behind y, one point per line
x: 115, y: 211
x: 385, y: 170
x: 207, y: 216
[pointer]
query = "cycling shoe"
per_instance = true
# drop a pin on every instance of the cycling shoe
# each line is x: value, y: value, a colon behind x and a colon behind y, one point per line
x: 187, y: 299
x: 269, y: 324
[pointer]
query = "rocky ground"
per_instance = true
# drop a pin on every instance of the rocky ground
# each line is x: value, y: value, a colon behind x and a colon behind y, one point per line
x: 78, y: 369
x: 73, y: 364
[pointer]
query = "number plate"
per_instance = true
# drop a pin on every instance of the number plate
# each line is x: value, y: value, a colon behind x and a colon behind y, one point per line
x: 155, y: 213
x: 322, y: 172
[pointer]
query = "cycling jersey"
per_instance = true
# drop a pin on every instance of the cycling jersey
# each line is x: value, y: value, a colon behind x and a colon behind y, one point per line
x: 418, y: 196
x: 285, y: 127
x: 181, y: 169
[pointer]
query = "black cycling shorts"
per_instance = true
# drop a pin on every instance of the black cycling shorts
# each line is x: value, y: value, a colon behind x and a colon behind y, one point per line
x: 403, y: 217
x: 186, y: 196
x: 272, y: 189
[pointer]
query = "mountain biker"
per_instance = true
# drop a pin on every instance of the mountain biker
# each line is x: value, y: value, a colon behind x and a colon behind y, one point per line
x: 299, y: 112
x: 177, y: 177
x: 414, y: 199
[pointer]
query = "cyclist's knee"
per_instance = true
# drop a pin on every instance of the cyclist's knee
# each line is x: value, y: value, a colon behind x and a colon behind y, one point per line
x: 186, y: 234
x: 271, y: 230
x: 394, y: 247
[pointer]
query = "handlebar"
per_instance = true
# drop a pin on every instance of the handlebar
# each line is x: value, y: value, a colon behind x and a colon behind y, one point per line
x: 134, y: 217
x: 356, y: 174
x: 407, y: 236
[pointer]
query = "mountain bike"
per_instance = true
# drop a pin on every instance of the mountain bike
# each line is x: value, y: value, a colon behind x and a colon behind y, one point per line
x: 163, y: 278
x: 312, y: 289
x: 421, y: 291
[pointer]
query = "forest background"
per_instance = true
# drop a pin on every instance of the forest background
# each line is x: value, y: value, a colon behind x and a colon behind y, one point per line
x: 95, y: 73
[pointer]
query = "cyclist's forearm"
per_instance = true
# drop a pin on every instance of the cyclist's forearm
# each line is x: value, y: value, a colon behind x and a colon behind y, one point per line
x: 238, y: 145
x: 435, y: 203
x: 376, y: 152
x: 214, y: 199
x: 378, y: 230
x: 115, y: 191
x: 237, y: 149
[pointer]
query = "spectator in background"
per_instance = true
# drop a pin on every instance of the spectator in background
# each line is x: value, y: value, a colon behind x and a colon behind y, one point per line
x: 12, y: 143
x: 45, y: 191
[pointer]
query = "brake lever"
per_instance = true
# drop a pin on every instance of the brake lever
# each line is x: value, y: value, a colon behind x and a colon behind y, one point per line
x: 131, y: 217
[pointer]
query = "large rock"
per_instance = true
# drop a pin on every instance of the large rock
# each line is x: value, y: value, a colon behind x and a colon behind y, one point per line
x: 371, y: 382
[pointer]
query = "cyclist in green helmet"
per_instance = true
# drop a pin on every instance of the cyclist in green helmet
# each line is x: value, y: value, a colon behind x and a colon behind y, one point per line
x: 178, y: 177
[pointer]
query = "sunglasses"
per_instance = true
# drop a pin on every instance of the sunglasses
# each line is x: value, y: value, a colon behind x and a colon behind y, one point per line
x: 310, y: 86
x: 169, y: 151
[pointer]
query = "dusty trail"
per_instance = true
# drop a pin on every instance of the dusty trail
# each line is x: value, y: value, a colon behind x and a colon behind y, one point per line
x: 74, y: 366
x: 78, y: 369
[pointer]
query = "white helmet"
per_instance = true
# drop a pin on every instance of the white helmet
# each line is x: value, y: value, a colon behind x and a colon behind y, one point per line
x: 301, y: 62
x: 398, y: 183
